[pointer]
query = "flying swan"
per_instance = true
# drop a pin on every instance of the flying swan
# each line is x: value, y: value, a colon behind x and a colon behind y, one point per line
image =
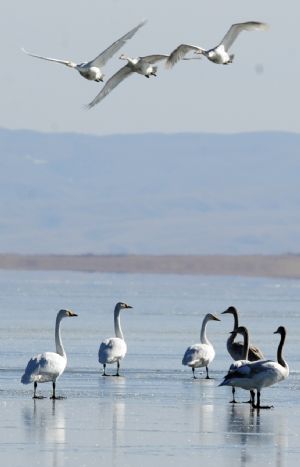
x: 218, y: 54
x: 260, y: 374
x: 202, y: 354
x: 92, y: 70
x: 48, y: 366
x: 114, y: 349
x: 141, y: 65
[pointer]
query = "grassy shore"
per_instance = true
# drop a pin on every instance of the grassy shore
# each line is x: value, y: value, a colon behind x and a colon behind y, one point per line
x: 285, y: 266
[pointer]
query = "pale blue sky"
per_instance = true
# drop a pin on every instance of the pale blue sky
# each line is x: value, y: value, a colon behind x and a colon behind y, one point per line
x: 196, y: 96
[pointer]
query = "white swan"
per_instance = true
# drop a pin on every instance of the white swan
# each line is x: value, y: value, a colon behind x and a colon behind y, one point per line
x: 202, y: 354
x: 141, y: 65
x: 260, y: 374
x: 218, y: 54
x: 48, y: 366
x: 92, y: 70
x: 113, y: 349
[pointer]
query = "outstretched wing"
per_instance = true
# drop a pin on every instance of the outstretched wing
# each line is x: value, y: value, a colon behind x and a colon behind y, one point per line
x: 102, y: 58
x: 235, y: 30
x: 154, y: 58
x: 64, y: 62
x: 110, y: 85
x: 180, y: 52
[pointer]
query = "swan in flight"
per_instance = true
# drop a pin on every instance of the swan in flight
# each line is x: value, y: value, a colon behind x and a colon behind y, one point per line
x: 48, y: 366
x: 202, y: 354
x: 141, y: 65
x: 218, y: 54
x: 92, y: 70
x: 236, y: 349
x: 260, y: 374
x: 114, y: 349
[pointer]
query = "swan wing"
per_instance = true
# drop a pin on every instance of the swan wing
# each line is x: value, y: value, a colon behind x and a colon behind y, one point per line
x: 110, y: 85
x: 44, y: 367
x: 255, y: 353
x: 181, y: 52
x: 104, y: 56
x: 64, y: 62
x: 154, y: 58
x: 112, y: 350
x: 235, y: 30
x: 198, y: 355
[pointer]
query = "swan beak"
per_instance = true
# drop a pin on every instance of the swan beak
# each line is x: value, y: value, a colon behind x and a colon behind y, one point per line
x: 71, y: 313
x: 215, y: 318
x: 226, y: 311
x: 128, y: 306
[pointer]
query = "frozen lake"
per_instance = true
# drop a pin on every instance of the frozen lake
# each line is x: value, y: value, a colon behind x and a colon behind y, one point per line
x: 155, y: 413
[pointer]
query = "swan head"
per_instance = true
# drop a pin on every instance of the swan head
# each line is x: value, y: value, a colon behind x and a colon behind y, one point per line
x: 123, y: 57
x: 231, y: 310
x: 211, y: 317
x: 66, y: 314
x: 281, y: 330
x: 122, y: 306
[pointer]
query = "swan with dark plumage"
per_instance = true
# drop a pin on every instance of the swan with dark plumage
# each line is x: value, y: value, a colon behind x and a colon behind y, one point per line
x: 238, y: 363
x: 48, y: 366
x: 141, y: 65
x: 236, y: 349
x: 92, y: 70
x: 201, y: 354
x: 260, y: 374
x: 114, y: 349
x: 218, y: 54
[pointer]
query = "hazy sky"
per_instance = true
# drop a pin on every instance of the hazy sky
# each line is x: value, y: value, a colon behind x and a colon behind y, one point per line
x: 259, y: 91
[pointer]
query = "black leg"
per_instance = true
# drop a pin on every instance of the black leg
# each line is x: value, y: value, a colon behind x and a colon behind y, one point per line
x: 118, y: 367
x: 252, y: 398
x: 54, y: 397
x: 193, y: 369
x: 233, y: 398
x: 104, y: 366
x: 207, y: 377
x: 258, y: 406
x: 34, y: 392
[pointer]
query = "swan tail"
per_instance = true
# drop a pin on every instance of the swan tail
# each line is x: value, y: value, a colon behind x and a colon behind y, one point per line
x: 26, y: 379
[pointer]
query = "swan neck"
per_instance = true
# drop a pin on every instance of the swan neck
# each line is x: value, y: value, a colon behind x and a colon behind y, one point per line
x: 203, y: 337
x: 246, y: 346
x: 117, y: 321
x: 58, y: 342
x: 236, y: 320
x: 280, y: 358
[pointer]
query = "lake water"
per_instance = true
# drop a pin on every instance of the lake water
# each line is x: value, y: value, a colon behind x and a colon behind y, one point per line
x: 155, y: 413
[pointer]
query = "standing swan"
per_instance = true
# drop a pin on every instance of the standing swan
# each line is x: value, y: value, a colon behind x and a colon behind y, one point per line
x: 199, y: 355
x: 238, y: 363
x: 48, y: 366
x: 92, y: 70
x: 260, y: 374
x: 236, y: 349
x: 218, y: 54
x: 113, y: 349
x: 141, y: 65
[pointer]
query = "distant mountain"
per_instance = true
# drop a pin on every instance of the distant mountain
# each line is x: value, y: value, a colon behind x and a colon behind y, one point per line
x: 149, y: 193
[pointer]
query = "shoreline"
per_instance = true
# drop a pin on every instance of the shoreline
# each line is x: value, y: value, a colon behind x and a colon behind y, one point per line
x: 283, y: 266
